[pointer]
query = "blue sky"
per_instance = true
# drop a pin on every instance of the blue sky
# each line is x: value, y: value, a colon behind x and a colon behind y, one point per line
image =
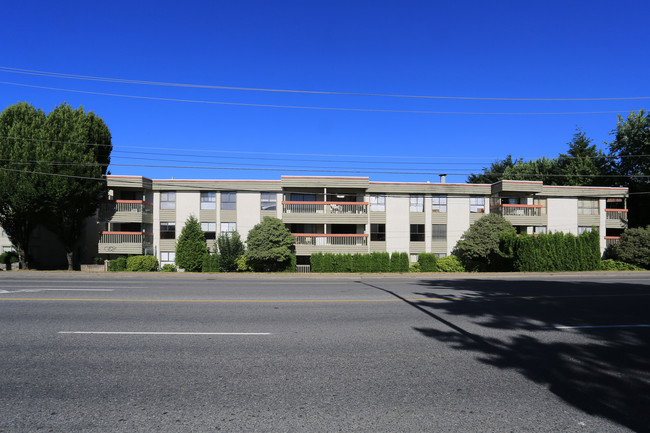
x: 552, y: 49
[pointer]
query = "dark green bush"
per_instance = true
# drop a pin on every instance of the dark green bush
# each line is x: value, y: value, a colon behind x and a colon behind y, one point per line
x: 211, y: 263
x: 117, y: 265
x: 379, y: 262
x: 613, y: 265
x: 633, y: 247
x: 141, y: 264
x: 316, y: 262
x: 399, y: 262
x: 8, y: 258
x: 168, y: 267
x: 427, y: 262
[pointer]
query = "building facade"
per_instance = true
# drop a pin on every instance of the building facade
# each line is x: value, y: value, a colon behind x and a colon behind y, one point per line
x: 346, y: 214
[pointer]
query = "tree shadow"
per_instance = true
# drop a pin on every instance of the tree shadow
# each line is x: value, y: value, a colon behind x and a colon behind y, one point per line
x: 602, y: 371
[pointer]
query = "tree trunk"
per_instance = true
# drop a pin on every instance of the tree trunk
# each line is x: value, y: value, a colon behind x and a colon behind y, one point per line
x: 69, y: 255
x: 22, y: 259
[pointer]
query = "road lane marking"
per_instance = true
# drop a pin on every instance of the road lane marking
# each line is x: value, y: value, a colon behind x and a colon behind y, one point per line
x: 52, y: 289
x: 161, y: 333
x: 424, y: 300
x: 596, y: 326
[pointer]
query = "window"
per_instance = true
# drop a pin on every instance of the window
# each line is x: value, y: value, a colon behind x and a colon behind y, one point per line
x: 439, y: 203
x: 227, y: 228
x: 477, y: 204
x: 539, y: 229
x: 4, y: 233
x: 377, y: 202
x: 269, y: 200
x: 584, y: 229
x: 208, y: 200
x: 209, y: 230
x: 167, y: 230
x: 7, y: 249
x: 439, y: 232
x: 413, y: 258
x: 168, y: 200
x: 440, y: 255
x: 302, y: 197
x: 417, y: 232
x: 167, y: 257
x: 378, y: 232
x: 588, y: 206
x: 542, y: 202
x: 228, y: 201
x: 417, y: 203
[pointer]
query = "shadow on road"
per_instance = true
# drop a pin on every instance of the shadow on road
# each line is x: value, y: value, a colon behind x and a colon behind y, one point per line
x: 608, y: 376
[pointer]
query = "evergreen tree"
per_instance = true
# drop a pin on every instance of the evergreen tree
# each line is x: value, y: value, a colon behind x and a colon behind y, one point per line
x: 191, y: 247
x: 478, y: 248
x: 270, y: 245
x: 230, y: 247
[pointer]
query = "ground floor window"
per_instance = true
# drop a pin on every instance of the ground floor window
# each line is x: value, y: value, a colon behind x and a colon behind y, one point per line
x: 167, y: 257
x: 584, y: 229
x: 440, y: 255
x: 228, y: 228
x: 539, y: 229
x: 209, y: 230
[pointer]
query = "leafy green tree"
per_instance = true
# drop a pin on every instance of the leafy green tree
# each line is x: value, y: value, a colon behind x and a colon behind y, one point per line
x: 633, y: 247
x: 495, y: 172
x: 270, y: 246
x: 583, y: 164
x: 230, y: 246
x: 478, y: 248
x: 21, y: 198
x: 83, y: 139
x: 191, y: 247
x: 628, y: 166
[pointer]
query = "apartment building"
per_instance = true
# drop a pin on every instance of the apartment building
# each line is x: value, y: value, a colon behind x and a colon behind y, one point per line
x: 346, y: 214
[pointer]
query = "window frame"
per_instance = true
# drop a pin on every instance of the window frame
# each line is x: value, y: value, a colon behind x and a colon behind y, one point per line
x: 441, y: 205
x: 476, y: 204
x: 416, y: 203
x: 208, y: 200
x: 377, y: 202
x: 438, y: 238
x: 268, y: 207
x: 417, y: 236
x: 168, y: 200
x: 377, y: 235
x: 588, y: 210
x: 229, y: 224
x: 167, y: 225
x: 228, y: 204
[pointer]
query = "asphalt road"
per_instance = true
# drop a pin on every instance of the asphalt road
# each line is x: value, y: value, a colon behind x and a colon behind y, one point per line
x: 538, y: 353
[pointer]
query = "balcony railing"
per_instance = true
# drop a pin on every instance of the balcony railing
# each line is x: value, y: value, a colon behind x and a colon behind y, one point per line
x: 325, y: 207
x: 524, y: 210
x: 616, y: 214
x: 611, y: 240
x: 331, y: 239
x: 126, y: 238
x: 110, y: 207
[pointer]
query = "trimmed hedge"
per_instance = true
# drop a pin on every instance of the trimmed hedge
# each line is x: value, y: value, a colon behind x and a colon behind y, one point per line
x: 211, y: 263
x: 450, y: 264
x: 117, y: 265
x: 142, y: 264
x: 427, y: 262
x: 359, y: 263
x: 553, y: 252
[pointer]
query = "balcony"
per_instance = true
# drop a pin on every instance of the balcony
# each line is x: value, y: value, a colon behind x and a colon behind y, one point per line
x: 126, y: 211
x: 616, y: 218
x: 521, y: 214
x: 611, y: 240
x: 309, y: 243
x: 325, y: 212
x: 124, y: 242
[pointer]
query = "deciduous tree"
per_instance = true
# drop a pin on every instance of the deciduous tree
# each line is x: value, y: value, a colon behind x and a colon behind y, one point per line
x: 270, y: 245
x: 478, y: 248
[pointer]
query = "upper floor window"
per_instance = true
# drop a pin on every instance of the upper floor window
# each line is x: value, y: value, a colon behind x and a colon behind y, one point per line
x: 540, y: 201
x: 378, y: 232
x: 477, y: 204
x: 439, y: 232
x: 229, y: 200
x: 416, y: 203
x: 378, y: 202
x: 167, y: 230
x: 269, y: 201
x: 588, y: 206
x: 209, y: 230
x: 208, y: 200
x: 584, y: 229
x: 439, y: 203
x: 295, y: 196
x: 417, y: 232
x: 168, y: 200
x: 4, y: 233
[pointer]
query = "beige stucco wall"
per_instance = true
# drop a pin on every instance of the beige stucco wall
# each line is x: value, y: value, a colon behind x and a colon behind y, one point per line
x: 458, y: 220
x: 397, y: 224
x: 562, y: 215
x: 248, y: 212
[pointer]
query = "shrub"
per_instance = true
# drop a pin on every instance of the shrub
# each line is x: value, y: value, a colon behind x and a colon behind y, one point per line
x: 168, y: 267
x: 399, y: 262
x: 230, y: 247
x: 8, y: 258
x: 450, y: 264
x: 427, y: 262
x: 478, y: 248
x: 633, y: 247
x: 141, y: 264
x: 242, y: 264
x: 379, y: 262
x: 270, y: 246
x: 190, y: 247
x: 117, y: 265
x: 613, y: 265
x: 210, y: 263
x: 316, y: 262
x: 415, y: 267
